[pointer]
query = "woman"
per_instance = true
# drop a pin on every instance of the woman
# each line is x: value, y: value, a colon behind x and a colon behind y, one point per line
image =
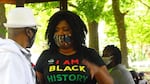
x: 68, y: 60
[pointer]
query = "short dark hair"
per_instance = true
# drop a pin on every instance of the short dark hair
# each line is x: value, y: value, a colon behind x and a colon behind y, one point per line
x: 111, y: 50
x: 78, y: 27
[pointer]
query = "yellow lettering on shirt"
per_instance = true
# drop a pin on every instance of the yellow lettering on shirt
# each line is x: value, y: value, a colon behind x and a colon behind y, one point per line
x: 67, y: 68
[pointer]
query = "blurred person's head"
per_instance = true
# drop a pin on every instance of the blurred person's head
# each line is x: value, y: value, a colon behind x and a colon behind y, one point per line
x: 141, y: 75
x: 111, y: 56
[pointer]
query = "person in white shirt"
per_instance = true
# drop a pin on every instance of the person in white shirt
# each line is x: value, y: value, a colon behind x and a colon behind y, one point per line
x: 15, y: 63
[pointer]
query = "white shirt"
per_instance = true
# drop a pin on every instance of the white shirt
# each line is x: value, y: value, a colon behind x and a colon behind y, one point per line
x: 15, y: 65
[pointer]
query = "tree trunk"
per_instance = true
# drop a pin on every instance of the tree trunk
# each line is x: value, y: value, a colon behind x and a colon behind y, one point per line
x: 20, y: 3
x: 93, y: 35
x: 2, y: 20
x: 119, y: 18
x: 63, y: 5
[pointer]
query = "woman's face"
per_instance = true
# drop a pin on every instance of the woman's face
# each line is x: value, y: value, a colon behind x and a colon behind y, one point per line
x: 63, y: 35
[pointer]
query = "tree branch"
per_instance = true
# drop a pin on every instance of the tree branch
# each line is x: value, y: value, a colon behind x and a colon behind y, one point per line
x: 70, y: 4
x: 145, y: 4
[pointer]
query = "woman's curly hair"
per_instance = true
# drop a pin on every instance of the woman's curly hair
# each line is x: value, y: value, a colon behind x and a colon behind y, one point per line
x: 78, y: 27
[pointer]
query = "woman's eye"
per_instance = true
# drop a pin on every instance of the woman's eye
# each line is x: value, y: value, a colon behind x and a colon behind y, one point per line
x: 66, y: 29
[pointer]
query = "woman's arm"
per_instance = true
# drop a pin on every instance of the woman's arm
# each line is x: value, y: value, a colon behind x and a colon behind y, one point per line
x: 102, y: 76
x: 40, y: 78
x: 100, y: 73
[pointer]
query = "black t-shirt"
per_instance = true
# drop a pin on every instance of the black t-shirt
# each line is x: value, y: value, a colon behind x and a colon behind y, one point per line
x: 61, y: 69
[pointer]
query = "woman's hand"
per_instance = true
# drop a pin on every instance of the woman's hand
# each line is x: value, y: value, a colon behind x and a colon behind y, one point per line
x: 92, y: 67
x: 99, y: 72
x: 40, y: 78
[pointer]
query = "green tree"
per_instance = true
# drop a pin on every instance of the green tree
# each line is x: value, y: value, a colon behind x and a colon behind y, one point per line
x: 138, y: 30
x: 2, y: 20
x: 136, y: 24
x: 92, y: 10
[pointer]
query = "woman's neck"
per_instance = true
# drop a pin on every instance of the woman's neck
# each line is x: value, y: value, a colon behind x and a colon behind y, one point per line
x: 67, y: 52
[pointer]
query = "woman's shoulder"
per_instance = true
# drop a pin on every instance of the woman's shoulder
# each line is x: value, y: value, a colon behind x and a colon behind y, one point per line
x: 44, y: 54
x: 45, y: 51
